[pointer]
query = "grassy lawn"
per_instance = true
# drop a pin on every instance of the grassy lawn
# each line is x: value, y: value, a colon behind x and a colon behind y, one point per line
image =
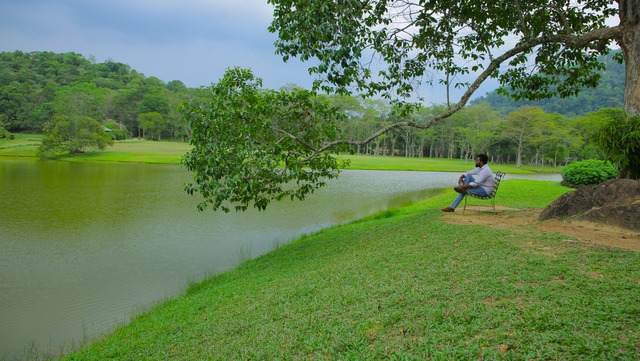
x: 137, y: 151
x: 144, y: 151
x: 405, y: 285
x: 24, y: 145
x: 133, y: 150
x: 435, y: 164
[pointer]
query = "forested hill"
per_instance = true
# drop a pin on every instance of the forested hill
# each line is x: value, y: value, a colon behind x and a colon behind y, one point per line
x: 608, y: 94
x: 37, y: 85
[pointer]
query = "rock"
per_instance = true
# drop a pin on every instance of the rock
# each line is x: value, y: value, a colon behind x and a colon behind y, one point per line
x: 625, y: 216
x: 615, y: 202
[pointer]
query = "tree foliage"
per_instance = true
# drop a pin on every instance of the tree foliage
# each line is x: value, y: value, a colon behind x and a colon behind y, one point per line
x: 392, y: 47
x: 521, y: 127
x: 153, y: 124
x: 252, y: 146
x: 36, y: 86
x: 608, y: 94
x: 620, y: 141
x: 72, y: 134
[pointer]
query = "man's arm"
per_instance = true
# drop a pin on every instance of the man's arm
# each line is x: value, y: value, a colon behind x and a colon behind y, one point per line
x: 474, y: 171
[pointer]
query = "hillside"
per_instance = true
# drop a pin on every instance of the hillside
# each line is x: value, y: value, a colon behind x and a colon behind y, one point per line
x: 608, y: 94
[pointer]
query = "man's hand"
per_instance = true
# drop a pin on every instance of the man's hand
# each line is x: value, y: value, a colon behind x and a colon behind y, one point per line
x: 461, y: 179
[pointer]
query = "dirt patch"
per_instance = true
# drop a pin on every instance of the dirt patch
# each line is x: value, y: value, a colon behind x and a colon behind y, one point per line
x: 581, y: 231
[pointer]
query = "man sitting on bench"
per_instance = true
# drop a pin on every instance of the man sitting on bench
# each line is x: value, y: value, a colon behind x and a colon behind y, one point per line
x: 478, y: 181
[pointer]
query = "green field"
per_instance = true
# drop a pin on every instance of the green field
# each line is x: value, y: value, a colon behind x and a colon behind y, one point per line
x: 405, y: 285
x: 435, y: 164
x: 144, y: 151
x: 24, y: 145
x: 138, y: 151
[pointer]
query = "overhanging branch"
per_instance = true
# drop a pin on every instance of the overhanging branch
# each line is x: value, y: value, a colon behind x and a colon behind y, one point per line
x: 583, y: 40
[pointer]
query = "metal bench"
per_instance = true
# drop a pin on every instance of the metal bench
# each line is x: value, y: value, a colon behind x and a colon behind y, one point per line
x: 492, y: 196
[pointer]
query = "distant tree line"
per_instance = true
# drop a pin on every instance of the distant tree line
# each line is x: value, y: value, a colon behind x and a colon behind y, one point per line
x: 40, y: 87
x: 527, y: 135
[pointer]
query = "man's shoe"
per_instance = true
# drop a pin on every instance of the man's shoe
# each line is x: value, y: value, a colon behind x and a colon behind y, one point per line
x: 448, y: 209
x: 460, y: 189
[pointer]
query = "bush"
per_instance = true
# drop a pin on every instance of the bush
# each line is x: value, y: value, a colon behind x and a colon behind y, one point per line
x: 588, y: 172
x: 620, y: 139
x: 4, y: 133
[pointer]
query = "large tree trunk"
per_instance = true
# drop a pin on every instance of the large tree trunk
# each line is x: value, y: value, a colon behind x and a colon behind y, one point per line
x: 630, y: 45
x: 519, y: 156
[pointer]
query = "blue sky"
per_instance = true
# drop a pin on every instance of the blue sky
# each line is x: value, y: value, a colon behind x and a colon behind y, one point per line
x: 189, y: 40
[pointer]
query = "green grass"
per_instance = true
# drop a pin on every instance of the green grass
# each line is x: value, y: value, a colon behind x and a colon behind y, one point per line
x: 137, y: 151
x: 134, y: 150
x: 435, y: 164
x: 144, y: 151
x: 24, y: 145
x: 405, y: 285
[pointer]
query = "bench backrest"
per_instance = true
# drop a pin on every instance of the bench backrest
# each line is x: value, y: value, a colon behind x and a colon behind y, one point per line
x: 496, y: 183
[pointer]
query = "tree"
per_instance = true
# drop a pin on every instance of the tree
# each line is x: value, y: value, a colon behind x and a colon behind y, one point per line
x: 17, y: 103
x: 84, y: 99
x: 535, y: 49
x: 620, y: 140
x: 479, y: 122
x: 72, y: 134
x: 154, y: 102
x: 546, y: 48
x: 125, y: 105
x: 584, y: 127
x: 521, y: 126
x: 244, y: 148
x: 153, y: 124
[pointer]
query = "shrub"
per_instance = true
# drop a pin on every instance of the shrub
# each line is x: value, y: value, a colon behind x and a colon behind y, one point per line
x: 620, y: 141
x: 588, y: 172
x: 4, y: 133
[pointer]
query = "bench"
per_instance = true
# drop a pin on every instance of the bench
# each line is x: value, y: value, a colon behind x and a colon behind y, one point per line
x: 492, y: 196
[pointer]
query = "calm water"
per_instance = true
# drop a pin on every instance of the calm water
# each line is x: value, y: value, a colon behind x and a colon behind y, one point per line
x: 83, y: 246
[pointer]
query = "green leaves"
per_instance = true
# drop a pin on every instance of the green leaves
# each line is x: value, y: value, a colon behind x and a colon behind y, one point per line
x: 588, y: 172
x: 72, y: 134
x: 620, y: 141
x: 392, y: 48
x: 252, y: 146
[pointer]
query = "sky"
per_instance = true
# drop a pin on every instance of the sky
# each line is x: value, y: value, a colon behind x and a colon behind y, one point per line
x: 193, y: 41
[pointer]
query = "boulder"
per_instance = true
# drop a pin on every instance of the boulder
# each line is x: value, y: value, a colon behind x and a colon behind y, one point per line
x: 614, y: 202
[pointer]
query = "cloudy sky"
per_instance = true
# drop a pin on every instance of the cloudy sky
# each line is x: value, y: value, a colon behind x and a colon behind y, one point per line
x: 189, y: 40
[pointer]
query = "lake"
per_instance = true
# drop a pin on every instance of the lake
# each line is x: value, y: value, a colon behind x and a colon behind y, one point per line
x: 83, y: 246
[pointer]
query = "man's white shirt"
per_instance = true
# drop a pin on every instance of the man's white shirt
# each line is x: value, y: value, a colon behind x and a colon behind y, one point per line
x: 483, y: 177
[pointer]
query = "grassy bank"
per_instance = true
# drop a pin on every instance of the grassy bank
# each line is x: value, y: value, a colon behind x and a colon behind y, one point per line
x: 405, y: 285
x: 133, y: 150
x: 142, y: 151
x: 435, y: 164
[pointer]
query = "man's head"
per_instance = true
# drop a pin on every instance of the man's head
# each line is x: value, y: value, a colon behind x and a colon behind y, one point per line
x: 481, y: 160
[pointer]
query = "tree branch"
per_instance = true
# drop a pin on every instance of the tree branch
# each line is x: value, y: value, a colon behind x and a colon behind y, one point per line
x: 569, y: 40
